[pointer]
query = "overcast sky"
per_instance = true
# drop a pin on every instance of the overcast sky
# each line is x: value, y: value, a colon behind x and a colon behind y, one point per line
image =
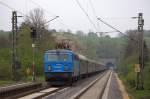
x: 116, y: 12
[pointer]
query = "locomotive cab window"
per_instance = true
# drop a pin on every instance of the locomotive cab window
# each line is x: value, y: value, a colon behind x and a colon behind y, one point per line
x: 58, y: 57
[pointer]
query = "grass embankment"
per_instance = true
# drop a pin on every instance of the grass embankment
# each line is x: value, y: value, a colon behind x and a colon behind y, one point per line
x: 6, y: 82
x: 129, y: 82
x: 28, y: 79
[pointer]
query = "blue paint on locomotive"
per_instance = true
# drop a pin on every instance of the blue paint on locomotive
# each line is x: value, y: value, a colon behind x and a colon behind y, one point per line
x: 58, y: 61
x: 58, y: 65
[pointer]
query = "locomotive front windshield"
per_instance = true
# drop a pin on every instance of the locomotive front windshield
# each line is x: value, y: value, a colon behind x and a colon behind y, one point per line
x: 58, y: 57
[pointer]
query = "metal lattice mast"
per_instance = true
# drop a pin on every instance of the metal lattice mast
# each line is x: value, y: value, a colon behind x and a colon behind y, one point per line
x: 14, y: 43
x: 140, y: 79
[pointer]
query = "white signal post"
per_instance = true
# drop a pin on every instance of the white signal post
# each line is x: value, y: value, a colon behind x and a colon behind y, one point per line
x: 33, y: 46
x: 33, y: 63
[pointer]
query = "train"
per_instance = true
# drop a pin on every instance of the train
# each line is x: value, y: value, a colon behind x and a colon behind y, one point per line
x: 65, y: 66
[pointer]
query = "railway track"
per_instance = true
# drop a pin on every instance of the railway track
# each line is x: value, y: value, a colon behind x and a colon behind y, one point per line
x: 79, y: 89
x: 27, y: 91
x: 86, y: 92
x: 18, y: 90
x: 37, y: 90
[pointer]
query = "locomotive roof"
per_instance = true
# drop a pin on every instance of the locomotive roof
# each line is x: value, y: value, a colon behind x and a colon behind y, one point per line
x: 57, y: 50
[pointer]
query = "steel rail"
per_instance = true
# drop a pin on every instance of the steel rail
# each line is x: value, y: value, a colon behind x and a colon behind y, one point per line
x: 81, y: 92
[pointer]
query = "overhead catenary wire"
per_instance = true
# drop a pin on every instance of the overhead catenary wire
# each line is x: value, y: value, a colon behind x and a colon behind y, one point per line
x: 93, y: 9
x: 50, y: 13
x: 117, y: 18
x: 111, y: 26
x: 116, y: 29
x: 94, y: 12
x: 86, y: 14
x: 11, y: 8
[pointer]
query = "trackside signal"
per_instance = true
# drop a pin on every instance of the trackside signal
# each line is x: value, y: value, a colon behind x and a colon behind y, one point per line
x: 33, y: 33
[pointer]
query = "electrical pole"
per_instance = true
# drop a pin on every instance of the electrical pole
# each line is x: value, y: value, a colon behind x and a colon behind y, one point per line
x: 15, y: 60
x: 140, y: 79
x: 14, y: 43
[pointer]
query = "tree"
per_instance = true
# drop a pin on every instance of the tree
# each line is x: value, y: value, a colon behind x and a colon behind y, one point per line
x: 53, y: 31
x: 132, y: 45
x: 107, y: 36
x: 69, y: 31
x: 92, y: 34
x: 80, y: 33
x: 36, y: 19
x: 4, y: 39
x: 61, y: 31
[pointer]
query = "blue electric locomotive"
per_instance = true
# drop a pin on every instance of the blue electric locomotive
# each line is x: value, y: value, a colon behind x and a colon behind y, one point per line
x: 58, y: 66
x: 64, y: 66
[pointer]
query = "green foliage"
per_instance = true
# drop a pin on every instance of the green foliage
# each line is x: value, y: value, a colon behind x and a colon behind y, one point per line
x: 126, y: 67
x: 25, y: 54
x: 147, y: 76
x: 5, y: 67
x: 95, y: 47
x: 6, y: 82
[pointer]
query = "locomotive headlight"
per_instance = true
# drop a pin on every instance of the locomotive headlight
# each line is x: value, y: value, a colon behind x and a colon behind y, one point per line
x: 65, y: 67
x: 49, y: 67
